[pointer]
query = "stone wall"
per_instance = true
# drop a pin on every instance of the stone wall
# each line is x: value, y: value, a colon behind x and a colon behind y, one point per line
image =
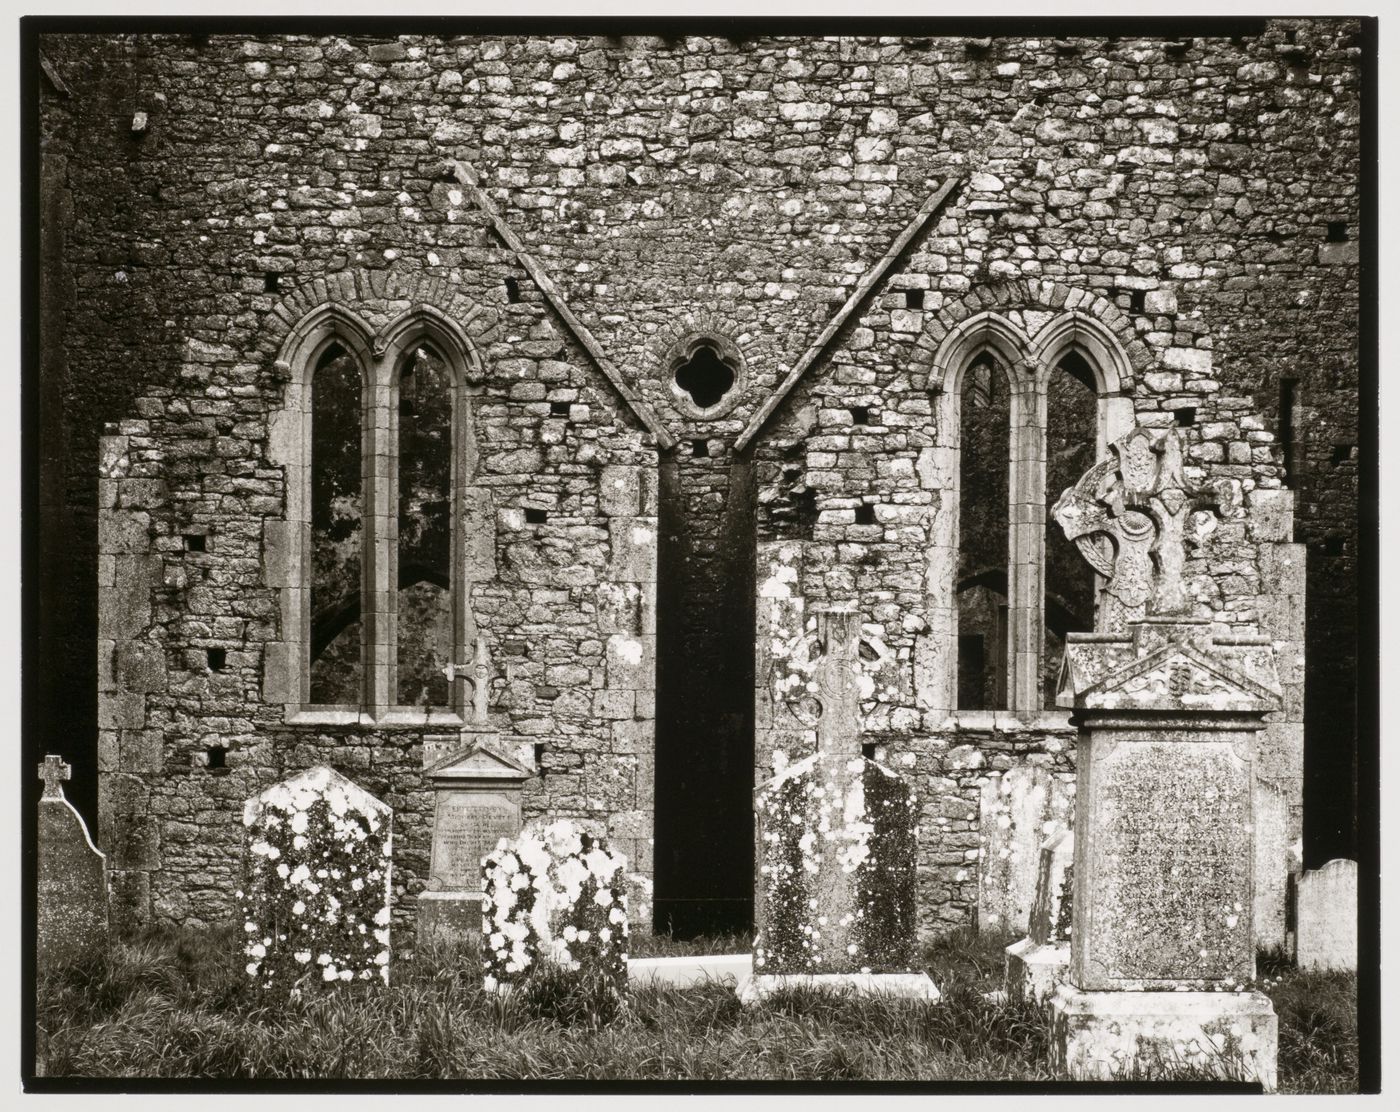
x: 1188, y: 193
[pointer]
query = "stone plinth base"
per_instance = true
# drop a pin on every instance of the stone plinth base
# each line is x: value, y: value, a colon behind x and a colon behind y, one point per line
x: 1034, y: 972
x: 1101, y: 1036
x: 912, y: 986
x: 683, y: 971
x: 448, y: 916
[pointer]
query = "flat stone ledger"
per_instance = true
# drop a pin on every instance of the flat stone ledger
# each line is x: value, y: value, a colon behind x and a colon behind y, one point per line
x: 315, y: 897
x: 477, y: 807
x: 836, y: 875
x: 72, y: 895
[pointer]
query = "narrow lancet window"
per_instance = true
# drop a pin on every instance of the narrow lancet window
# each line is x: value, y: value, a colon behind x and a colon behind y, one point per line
x: 337, y: 533
x: 1071, y: 415
x: 426, y: 633
x: 983, y: 535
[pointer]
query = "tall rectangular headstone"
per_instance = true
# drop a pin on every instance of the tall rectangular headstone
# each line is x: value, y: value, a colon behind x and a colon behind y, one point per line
x: 1327, y: 916
x: 1169, y: 711
x: 316, y: 891
x: 72, y: 903
x: 835, y: 892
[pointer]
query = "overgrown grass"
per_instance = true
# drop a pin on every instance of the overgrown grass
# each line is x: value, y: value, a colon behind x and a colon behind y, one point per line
x: 177, y: 1004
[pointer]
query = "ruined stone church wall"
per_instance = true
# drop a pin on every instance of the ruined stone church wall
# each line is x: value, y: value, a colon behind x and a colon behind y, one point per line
x: 670, y: 188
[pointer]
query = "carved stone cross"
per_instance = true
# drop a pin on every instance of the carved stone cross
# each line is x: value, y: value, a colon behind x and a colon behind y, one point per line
x: 53, y: 771
x: 478, y: 674
x: 1132, y: 519
x: 837, y: 682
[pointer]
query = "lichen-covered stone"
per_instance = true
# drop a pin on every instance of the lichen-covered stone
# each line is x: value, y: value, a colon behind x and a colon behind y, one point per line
x: 836, y: 873
x: 555, y: 895
x: 315, y: 899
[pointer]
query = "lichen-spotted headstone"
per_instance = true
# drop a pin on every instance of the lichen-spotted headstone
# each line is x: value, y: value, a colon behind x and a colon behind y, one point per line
x: 556, y: 894
x: 836, y: 885
x: 72, y: 904
x: 316, y: 891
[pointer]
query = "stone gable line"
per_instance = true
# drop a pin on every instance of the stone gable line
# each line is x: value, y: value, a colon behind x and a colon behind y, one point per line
x: 872, y: 277
x: 467, y: 177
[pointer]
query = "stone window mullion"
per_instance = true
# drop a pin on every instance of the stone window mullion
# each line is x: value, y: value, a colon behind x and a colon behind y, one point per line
x: 381, y: 540
x: 1025, y: 575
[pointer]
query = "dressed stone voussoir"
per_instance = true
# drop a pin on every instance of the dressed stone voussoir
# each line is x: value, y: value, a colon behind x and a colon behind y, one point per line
x: 556, y: 895
x: 316, y: 894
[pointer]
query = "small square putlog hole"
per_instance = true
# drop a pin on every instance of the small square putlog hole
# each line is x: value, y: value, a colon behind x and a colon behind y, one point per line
x: 913, y: 299
x: 218, y: 658
x: 558, y: 409
x: 1137, y: 301
x: 536, y: 516
x: 1185, y: 417
x: 272, y: 282
x: 512, y: 291
x: 1336, y: 231
x: 865, y: 515
x: 700, y: 448
x: 860, y: 415
x: 216, y: 758
x: 867, y: 750
x: 194, y: 542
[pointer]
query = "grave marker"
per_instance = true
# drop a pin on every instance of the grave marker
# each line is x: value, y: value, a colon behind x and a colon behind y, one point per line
x: 72, y: 893
x: 835, y: 892
x: 1038, y: 963
x: 316, y: 892
x: 1327, y: 916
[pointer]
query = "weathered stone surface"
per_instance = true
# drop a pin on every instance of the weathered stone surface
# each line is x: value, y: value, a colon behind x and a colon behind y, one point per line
x: 1106, y: 1036
x: 72, y: 895
x: 316, y: 891
x: 556, y: 895
x: 1020, y: 809
x: 1327, y: 916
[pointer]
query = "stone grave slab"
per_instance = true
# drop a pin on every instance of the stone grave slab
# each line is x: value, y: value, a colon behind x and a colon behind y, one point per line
x: 477, y: 804
x: 72, y: 895
x: 836, y: 886
x: 1327, y: 916
x: 557, y: 894
x: 1039, y: 963
x: 317, y: 883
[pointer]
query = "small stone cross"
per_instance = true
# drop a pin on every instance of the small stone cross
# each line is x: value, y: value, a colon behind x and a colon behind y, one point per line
x: 478, y: 673
x: 53, y: 772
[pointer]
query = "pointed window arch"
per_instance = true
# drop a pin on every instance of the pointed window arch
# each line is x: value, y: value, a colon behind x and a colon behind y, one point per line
x: 377, y: 435
x: 1016, y: 421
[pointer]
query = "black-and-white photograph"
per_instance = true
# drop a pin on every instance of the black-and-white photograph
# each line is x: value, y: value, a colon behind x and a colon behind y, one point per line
x: 696, y: 553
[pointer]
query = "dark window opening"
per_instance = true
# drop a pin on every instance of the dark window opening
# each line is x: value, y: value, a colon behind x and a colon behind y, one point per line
x: 913, y: 299
x: 867, y: 750
x: 512, y: 291
x: 1336, y: 231
x: 865, y: 515
x: 1342, y: 453
x: 539, y: 756
x: 194, y: 542
x: 217, y: 659
x: 860, y: 415
x: 1333, y: 546
x: 558, y: 409
x: 1287, y: 404
x: 700, y: 448
x: 272, y: 282
x: 972, y: 666
x: 1185, y: 416
x: 536, y: 516
x: 705, y: 377
x: 215, y: 758
x: 1137, y: 301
